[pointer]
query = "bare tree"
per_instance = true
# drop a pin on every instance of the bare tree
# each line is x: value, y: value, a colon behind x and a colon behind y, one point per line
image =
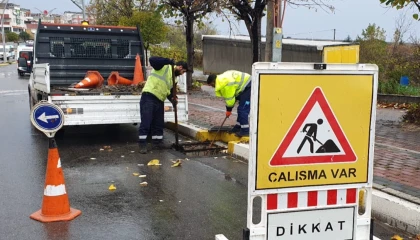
x: 252, y: 12
x: 402, y: 26
x: 191, y: 11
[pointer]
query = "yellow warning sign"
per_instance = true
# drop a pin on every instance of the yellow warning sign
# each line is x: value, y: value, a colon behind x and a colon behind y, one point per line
x: 313, y: 130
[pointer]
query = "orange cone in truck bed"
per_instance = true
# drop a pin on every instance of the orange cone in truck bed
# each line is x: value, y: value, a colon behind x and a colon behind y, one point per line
x: 138, y: 71
x: 91, y: 80
x: 115, y: 78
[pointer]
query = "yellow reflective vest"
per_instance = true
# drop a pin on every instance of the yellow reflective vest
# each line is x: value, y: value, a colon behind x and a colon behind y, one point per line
x: 230, y: 84
x: 159, y: 83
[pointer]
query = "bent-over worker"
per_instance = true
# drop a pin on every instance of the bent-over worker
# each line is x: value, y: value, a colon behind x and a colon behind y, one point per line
x: 234, y: 86
x: 157, y: 89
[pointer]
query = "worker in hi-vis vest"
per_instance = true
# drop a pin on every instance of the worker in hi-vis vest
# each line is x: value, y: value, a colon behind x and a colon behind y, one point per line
x: 234, y: 86
x: 157, y: 89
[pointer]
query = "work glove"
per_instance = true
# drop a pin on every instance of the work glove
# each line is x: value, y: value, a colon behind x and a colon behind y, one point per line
x: 228, y: 113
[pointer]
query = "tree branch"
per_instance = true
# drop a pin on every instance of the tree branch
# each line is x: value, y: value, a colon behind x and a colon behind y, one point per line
x: 416, y: 3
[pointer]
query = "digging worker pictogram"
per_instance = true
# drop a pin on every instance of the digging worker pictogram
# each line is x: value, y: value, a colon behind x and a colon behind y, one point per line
x: 158, y: 87
x: 234, y: 86
x: 311, y: 130
x: 310, y: 133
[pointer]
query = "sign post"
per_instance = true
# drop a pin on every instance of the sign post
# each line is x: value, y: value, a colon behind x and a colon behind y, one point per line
x: 311, y: 150
x: 47, y: 118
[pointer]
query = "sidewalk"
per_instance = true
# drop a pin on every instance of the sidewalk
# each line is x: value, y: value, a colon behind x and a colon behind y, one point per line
x: 396, y: 161
x: 397, y: 148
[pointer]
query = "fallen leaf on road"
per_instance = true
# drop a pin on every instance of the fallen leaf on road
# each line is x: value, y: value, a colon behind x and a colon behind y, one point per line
x: 396, y: 237
x: 177, y: 163
x: 142, y: 176
x: 160, y: 200
x: 136, y: 173
x: 112, y: 187
x: 418, y: 237
x: 107, y: 147
x: 132, y: 151
x: 122, y: 156
x: 92, y: 158
x: 101, y: 149
x: 143, y: 184
x: 109, y: 150
x: 140, y: 165
x: 154, y: 162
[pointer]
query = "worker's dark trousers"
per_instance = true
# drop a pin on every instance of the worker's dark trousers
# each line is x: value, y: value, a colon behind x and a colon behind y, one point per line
x: 243, y: 110
x: 152, y: 118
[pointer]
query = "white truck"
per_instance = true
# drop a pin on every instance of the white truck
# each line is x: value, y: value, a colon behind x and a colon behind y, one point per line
x: 63, y: 53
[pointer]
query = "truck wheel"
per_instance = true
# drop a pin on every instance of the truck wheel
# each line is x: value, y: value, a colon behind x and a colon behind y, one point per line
x: 21, y: 74
x: 31, y: 100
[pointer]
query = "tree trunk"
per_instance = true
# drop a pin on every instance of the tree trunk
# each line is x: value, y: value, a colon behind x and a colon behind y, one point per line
x: 269, y: 32
x: 255, y: 36
x: 190, y: 50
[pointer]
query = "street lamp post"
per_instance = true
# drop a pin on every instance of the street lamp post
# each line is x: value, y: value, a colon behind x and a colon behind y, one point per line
x: 2, y: 32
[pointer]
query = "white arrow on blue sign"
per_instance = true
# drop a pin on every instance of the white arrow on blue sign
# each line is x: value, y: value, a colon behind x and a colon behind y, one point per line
x: 47, y: 117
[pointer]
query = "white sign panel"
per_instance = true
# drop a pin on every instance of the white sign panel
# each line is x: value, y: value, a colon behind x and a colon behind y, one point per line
x: 332, y: 223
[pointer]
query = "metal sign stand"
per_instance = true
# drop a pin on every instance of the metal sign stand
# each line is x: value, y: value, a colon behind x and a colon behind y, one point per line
x: 295, y: 183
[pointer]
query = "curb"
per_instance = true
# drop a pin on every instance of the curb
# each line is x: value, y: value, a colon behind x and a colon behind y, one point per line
x: 203, y: 135
x: 395, y: 208
x: 390, y: 206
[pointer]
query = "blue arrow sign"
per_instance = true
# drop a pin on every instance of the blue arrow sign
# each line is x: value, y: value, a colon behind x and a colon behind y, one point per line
x: 47, y: 117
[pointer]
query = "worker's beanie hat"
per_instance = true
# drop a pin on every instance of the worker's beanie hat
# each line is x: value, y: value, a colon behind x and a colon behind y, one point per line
x: 211, y: 78
x: 183, y: 64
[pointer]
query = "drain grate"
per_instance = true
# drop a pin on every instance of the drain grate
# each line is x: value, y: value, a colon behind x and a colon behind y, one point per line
x: 199, y: 148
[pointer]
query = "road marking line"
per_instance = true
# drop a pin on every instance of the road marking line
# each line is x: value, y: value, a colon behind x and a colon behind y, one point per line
x: 13, y: 92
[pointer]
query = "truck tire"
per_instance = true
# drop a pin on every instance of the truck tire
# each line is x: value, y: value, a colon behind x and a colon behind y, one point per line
x: 31, y: 100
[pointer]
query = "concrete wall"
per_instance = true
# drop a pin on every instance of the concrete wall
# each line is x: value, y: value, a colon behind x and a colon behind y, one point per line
x: 220, y: 55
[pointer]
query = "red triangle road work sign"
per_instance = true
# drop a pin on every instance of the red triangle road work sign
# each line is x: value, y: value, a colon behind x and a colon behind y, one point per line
x: 315, y: 137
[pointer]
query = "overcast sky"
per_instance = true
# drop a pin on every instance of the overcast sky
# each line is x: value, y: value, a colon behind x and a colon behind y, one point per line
x: 350, y: 17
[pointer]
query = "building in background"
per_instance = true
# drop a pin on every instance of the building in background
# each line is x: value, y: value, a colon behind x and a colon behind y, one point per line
x: 14, y: 17
x: 76, y: 18
x: 17, y: 19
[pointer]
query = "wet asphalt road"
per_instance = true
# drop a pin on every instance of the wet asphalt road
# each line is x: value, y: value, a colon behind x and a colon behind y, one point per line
x: 204, y: 197
x: 195, y: 201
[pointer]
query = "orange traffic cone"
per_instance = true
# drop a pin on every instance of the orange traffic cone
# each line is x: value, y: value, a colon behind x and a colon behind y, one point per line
x: 55, y: 205
x: 115, y: 78
x: 138, y: 71
x: 92, y: 79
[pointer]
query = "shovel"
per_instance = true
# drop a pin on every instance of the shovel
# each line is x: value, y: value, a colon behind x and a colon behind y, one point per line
x: 215, y: 136
x: 175, y: 107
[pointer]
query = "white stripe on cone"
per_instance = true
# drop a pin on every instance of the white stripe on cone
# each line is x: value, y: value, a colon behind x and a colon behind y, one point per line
x: 59, y: 163
x: 53, y: 191
x: 87, y: 79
